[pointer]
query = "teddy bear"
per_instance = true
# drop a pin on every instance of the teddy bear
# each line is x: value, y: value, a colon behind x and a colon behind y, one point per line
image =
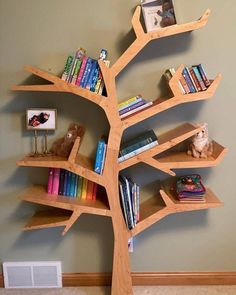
x: 63, y: 146
x: 201, y: 146
x: 167, y: 14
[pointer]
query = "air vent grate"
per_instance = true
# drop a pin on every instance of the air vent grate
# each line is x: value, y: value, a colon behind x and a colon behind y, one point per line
x: 33, y: 274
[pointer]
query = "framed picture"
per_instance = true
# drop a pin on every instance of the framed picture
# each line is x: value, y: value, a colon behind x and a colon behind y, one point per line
x: 158, y: 14
x: 41, y: 119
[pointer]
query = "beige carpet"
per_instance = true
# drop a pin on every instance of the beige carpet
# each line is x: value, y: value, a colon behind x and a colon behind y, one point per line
x: 138, y: 290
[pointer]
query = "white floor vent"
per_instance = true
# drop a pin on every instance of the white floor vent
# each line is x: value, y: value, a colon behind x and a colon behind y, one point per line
x: 33, y: 274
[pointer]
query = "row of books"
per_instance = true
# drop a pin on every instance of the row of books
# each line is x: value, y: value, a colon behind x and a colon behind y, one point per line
x: 65, y: 183
x: 137, y: 145
x: 84, y: 71
x: 133, y: 105
x: 193, y: 79
x: 130, y: 201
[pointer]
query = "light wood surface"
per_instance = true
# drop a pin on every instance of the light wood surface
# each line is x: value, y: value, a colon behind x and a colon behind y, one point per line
x: 153, y: 209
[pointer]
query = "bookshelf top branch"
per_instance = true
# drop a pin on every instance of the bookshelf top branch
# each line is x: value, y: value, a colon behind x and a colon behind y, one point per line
x: 142, y: 38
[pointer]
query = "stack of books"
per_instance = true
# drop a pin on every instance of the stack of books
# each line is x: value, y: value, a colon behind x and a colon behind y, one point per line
x: 133, y: 105
x: 137, y: 145
x: 130, y: 201
x: 189, y: 188
x: 193, y: 79
x: 84, y: 71
x: 100, y: 156
x: 65, y: 183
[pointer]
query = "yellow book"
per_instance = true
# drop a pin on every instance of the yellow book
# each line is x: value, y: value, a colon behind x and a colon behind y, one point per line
x: 128, y: 101
x: 84, y: 189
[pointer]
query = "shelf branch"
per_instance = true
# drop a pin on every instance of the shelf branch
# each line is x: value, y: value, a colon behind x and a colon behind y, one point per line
x: 75, y: 215
x: 58, y: 85
x: 74, y: 151
x: 143, y: 38
x: 177, y: 136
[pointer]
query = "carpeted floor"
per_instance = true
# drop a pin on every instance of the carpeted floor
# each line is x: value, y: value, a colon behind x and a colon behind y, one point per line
x: 138, y: 290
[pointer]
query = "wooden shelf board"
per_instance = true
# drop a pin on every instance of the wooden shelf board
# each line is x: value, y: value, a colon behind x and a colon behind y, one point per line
x: 48, y: 218
x: 211, y: 201
x: 154, y: 209
x: 166, y: 141
x: 42, y: 161
x: 37, y: 194
x: 177, y: 160
x: 58, y: 85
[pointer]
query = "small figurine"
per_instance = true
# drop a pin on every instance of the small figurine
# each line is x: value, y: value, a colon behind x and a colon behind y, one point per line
x: 63, y: 146
x: 201, y: 146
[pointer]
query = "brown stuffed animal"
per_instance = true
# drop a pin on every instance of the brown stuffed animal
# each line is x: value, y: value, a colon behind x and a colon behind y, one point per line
x: 63, y: 146
x: 167, y: 14
x: 201, y: 146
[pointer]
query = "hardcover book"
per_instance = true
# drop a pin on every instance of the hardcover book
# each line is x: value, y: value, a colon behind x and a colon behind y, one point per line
x: 56, y: 180
x: 158, y: 14
x: 50, y: 180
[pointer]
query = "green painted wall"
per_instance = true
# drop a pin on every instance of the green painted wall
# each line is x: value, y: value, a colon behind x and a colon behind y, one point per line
x: 42, y: 33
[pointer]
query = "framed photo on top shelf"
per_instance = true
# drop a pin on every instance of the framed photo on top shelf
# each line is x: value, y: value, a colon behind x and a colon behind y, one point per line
x: 41, y: 119
x: 158, y: 14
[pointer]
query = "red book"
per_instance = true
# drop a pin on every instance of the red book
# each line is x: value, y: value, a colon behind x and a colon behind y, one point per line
x: 90, y: 186
x: 50, y: 180
x: 95, y: 188
x: 56, y: 181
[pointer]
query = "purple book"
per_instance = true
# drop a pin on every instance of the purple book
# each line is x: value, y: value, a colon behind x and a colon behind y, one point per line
x: 133, y: 107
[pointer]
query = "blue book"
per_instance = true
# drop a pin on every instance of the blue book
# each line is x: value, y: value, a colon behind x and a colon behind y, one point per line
x: 61, y: 181
x: 91, y: 74
x: 95, y: 78
x: 188, y: 80
x: 72, y: 185
x: 65, y: 182
x: 76, y: 186
x: 99, y: 156
x: 86, y: 73
x: 68, y: 183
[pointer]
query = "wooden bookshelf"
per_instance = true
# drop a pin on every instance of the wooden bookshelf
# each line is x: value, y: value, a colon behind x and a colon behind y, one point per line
x: 65, y: 211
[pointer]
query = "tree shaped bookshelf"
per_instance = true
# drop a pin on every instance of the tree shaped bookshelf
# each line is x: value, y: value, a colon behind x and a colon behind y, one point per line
x: 64, y: 211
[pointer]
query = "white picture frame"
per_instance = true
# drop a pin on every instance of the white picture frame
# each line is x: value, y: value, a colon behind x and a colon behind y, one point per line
x: 41, y: 119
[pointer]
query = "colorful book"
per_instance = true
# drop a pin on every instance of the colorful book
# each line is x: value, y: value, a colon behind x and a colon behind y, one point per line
x: 99, y: 156
x: 76, y: 186
x: 195, y: 79
x: 191, y: 78
x: 199, y: 77
x: 102, y: 83
x: 137, y: 99
x: 50, y: 180
x: 65, y: 182
x: 142, y: 107
x: 68, y: 184
x: 76, y: 70
x: 91, y: 74
x: 72, y: 185
x: 86, y: 73
x: 56, y: 180
x: 188, y: 80
x: 95, y: 188
x: 67, y: 68
x: 128, y: 101
x: 80, y: 53
x: 81, y: 72
x: 62, y: 179
x: 89, y: 195
x: 84, y: 189
x: 202, y: 71
x: 79, y: 188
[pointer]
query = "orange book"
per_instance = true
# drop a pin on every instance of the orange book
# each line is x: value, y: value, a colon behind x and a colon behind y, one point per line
x: 84, y: 189
x: 90, y: 186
